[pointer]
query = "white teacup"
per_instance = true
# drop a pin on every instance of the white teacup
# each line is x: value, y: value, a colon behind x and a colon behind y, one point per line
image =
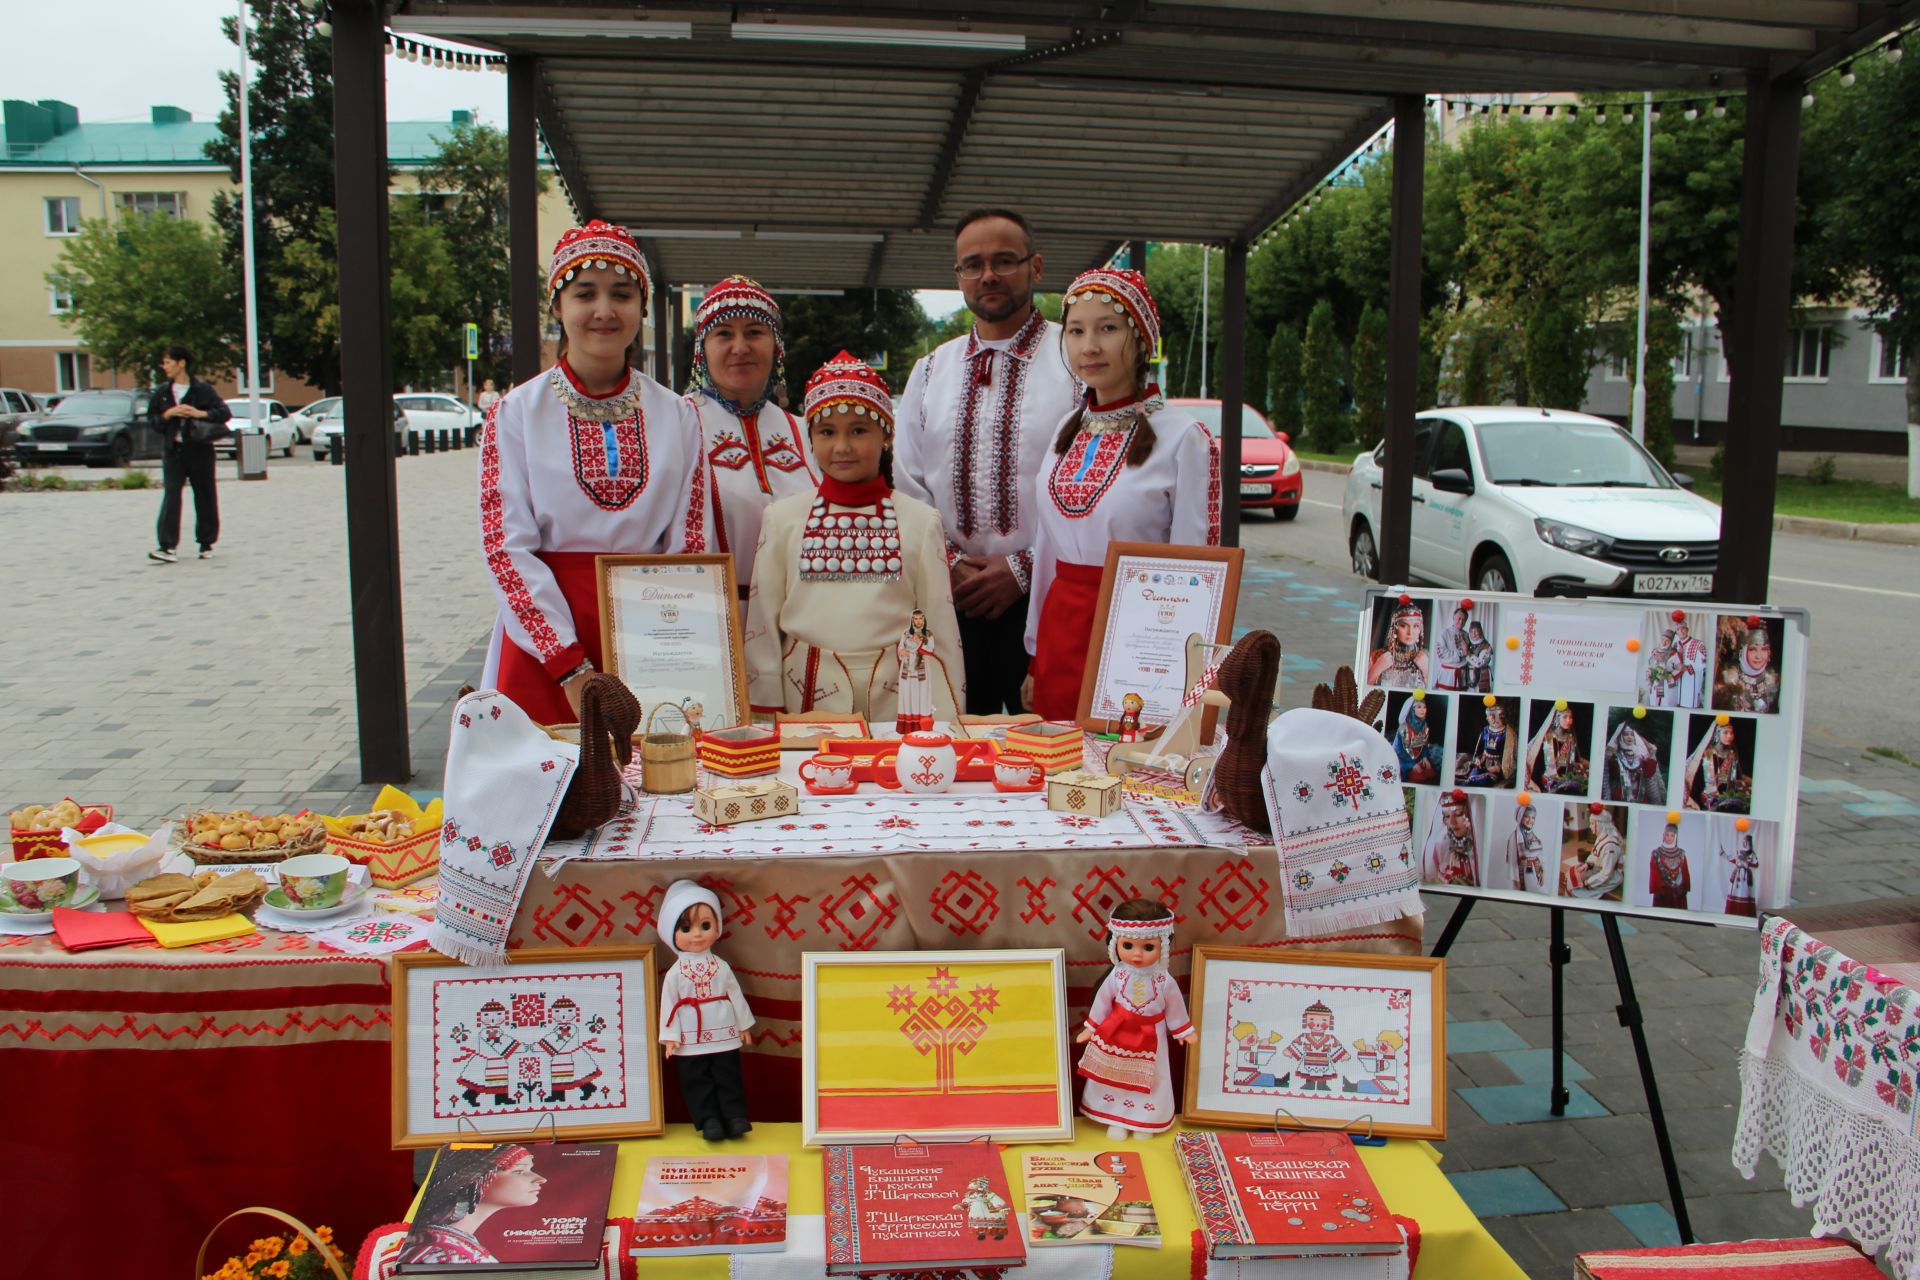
x: 830, y: 772
x: 1014, y: 770
x: 314, y: 881
x: 41, y: 884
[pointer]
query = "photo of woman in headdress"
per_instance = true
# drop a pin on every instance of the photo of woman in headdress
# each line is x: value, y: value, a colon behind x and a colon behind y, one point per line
x: 1514, y: 853
x: 1559, y: 752
x: 1636, y: 770
x: 1741, y: 859
x: 1676, y: 662
x: 1489, y: 757
x: 1451, y: 854
x: 1669, y: 874
x: 467, y: 1187
x: 1528, y: 851
x: 1479, y: 659
x: 1399, y: 659
x: 1419, y: 736
x: 1719, y: 776
x: 1593, y: 854
x: 1747, y: 669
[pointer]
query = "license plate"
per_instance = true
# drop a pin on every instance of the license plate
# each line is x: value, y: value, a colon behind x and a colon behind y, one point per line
x: 1256, y: 491
x: 1672, y: 584
x: 51, y: 446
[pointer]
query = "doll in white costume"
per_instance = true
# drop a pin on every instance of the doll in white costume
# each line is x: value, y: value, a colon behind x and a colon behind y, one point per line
x: 1135, y: 1012
x: 704, y: 1018
x: 986, y: 1211
x: 915, y: 706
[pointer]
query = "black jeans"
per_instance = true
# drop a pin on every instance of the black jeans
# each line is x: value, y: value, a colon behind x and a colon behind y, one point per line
x: 996, y: 659
x: 179, y: 468
x: 710, y: 1086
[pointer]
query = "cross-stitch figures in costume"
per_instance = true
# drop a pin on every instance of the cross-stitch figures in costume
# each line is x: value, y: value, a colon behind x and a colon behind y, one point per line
x: 1416, y: 745
x: 915, y: 711
x: 1316, y: 1052
x: 1716, y: 777
x: 593, y: 457
x: 986, y: 1211
x: 1450, y: 653
x: 1749, y: 676
x: 569, y: 1051
x: 704, y: 1018
x: 1402, y: 663
x: 1556, y: 758
x: 1132, y: 705
x: 1135, y: 1011
x: 1669, y: 879
x: 1742, y: 865
x: 1634, y: 772
x: 839, y: 571
x: 1601, y: 870
x: 469, y: 1186
x: 975, y: 419
x: 1124, y: 467
x: 1451, y: 856
x: 483, y: 1064
x: 756, y: 451
x: 1490, y: 764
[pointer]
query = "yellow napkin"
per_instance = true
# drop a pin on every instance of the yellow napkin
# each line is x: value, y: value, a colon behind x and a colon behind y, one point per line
x: 391, y: 797
x: 194, y: 932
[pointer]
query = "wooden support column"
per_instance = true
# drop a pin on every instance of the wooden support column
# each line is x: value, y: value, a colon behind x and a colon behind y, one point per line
x: 1233, y: 389
x: 523, y: 218
x: 1756, y: 340
x: 366, y: 380
x: 1403, y: 335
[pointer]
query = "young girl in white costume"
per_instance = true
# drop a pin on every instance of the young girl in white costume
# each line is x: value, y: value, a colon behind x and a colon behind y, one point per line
x: 1135, y: 1013
x: 840, y: 573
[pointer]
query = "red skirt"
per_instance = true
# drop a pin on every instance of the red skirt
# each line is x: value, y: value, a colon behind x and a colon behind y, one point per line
x: 522, y: 676
x: 1066, y: 628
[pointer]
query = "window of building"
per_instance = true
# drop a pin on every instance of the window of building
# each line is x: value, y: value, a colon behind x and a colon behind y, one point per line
x: 63, y: 215
x: 171, y: 203
x: 1889, y: 361
x: 1809, y: 349
x: 72, y: 370
x: 59, y: 301
x: 1618, y: 365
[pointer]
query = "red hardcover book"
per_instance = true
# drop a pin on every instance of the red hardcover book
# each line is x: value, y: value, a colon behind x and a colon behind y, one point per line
x: 919, y: 1207
x: 711, y: 1204
x: 1284, y: 1195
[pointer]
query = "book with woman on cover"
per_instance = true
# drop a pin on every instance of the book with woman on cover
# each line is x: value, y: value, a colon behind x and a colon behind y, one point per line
x: 493, y: 1207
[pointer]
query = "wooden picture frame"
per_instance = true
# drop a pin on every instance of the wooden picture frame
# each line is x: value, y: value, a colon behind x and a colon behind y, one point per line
x: 1259, y: 1014
x: 797, y: 729
x: 1142, y: 565
x: 937, y: 1045
x: 683, y: 642
x: 607, y: 1075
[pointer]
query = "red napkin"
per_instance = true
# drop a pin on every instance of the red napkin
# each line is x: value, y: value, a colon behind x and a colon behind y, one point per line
x: 85, y: 930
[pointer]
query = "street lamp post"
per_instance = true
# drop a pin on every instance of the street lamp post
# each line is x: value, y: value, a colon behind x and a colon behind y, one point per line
x: 246, y: 236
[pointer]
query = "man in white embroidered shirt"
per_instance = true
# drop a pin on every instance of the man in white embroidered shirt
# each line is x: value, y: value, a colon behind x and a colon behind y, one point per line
x: 973, y: 428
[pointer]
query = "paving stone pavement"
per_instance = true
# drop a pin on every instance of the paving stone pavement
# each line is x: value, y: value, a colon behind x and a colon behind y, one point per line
x: 163, y: 688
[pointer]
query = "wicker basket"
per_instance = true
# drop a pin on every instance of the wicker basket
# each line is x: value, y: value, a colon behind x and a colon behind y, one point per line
x: 314, y: 840
x: 667, y: 764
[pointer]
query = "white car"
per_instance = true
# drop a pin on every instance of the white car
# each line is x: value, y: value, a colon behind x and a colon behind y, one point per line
x: 335, y: 422
x: 275, y: 421
x: 1542, y: 501
x: 307, y: 417
x: 436, y: 412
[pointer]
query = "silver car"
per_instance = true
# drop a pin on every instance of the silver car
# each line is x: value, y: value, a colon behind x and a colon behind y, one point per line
x: 335, y: 422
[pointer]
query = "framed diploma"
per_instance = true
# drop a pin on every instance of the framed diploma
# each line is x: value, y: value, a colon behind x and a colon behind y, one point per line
x: 1153, y: 598
x: 670, y: 629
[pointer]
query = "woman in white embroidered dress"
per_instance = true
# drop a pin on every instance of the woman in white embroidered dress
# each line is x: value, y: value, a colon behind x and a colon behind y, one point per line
x: 591, y: 458
x: 756, y: 453
x: 1124, y: 468
x: 1135, y: 1012
x: 839, y: 573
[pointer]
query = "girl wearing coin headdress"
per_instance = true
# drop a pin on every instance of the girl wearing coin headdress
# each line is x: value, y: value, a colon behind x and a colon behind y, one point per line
x: 1402, y: 664
x: 1123, y: 468
x: 1669, y: 878
x: 1749, y: 678
x: 840, y: 572
x: 1716, y: 777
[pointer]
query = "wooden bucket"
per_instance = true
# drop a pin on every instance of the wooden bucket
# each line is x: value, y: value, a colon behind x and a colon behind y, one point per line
x: 667, y: 763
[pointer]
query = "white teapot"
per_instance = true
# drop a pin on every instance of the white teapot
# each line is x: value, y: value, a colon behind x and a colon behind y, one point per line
x: 924, y: 763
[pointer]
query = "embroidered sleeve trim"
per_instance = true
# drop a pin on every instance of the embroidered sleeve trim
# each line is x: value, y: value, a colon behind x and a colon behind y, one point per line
x: 1213, y: 491
x: 493, y: 544
x: 695, y: 533
x: 1021, y: 562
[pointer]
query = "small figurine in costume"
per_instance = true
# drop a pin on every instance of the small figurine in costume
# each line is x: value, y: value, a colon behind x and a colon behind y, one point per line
x: 1669, y: 878
x: 915, y: 710
x: 1135, y: 1011
x: 1451, y: 856
x: 1742, y: 863
x: 1403, y: 663
x: 1716, y: 777
x: 1491, y: 764
x: 469, y: 1186
x: 704, y: 1016
x: 1316, y: 1051
x: 1751, y: 682
x: 692, y: 710
x: 1131, y: 707
x: 1526, y: 851
x: 1450, y: 653
x: 986, y: 1211
x: 1603, y: 868
x: 1555, y: 761
x: 1419, y: 755
x: 1634, y: 773
x: 1479, y: 659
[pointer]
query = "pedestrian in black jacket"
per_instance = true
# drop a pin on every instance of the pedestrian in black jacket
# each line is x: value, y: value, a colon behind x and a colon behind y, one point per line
x: 189, y: 415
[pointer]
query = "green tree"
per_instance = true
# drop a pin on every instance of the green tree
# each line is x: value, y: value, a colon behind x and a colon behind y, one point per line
x: 145, y: 281
x: 1663, y: 348
x: 1558, y: 356
x: 867, y: 322
x: 464, y: 186
x: 1320, y: 382
x: 290, y: 103
x: 1370, y: 377
x: 1283, y: 380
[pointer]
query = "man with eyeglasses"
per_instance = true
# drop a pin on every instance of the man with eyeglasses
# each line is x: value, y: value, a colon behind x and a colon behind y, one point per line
x: 971, y: 439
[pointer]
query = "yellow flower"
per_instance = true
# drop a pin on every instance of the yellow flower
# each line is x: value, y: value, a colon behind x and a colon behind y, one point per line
x: 254, y: 1256
x: 296, y: 1246
x: 325, y: 1234
x: 279, y: 1269
x: 272, y: 1245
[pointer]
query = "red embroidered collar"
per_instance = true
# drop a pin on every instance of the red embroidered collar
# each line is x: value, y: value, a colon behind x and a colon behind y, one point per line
x: 866, y: 494
x: 626, y: 377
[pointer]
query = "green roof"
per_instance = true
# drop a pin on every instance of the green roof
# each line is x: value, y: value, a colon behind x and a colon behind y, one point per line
x: 26, y: 140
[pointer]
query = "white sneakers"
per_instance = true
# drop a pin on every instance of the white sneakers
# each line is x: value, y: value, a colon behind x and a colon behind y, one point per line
x: 163, y: 555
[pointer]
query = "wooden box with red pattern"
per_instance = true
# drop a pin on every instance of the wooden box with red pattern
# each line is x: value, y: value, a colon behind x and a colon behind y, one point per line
x: 746, y: 802
x: 1054, y: 745
x: 743, y: 751
x: 1078, y: 791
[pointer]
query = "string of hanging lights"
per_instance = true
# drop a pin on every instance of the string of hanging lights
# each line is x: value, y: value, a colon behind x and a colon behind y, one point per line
x: 411, y: 49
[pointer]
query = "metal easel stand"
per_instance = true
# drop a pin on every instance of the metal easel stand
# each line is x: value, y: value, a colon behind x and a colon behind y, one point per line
x: 1628, y: 1011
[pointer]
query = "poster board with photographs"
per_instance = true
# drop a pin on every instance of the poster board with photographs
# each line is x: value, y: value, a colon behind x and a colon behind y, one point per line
x: 1625, y: 755
x: 670, y: 629
x: 1153, y: 598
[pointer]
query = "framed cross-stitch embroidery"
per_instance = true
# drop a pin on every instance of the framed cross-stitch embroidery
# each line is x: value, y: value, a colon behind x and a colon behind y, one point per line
x: 1153, y: 597
x: 1318, y: 1040
x: 936, y: 1045
x: 559, y: 1032
x: 670, y: 628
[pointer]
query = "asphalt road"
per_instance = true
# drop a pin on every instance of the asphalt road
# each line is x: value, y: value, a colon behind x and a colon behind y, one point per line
x: 1864, y: 675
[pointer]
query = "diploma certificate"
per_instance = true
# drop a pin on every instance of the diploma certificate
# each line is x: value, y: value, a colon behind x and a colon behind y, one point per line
x: 1153, y: 599
x: 670, y: 629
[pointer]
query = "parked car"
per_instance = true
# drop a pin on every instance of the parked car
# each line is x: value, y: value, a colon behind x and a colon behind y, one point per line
x: 1270, y: 477
x: 437, y: 412
x: 336, y: 421
x: 95, y: 427
x: 278, y: 425
x: 1539, y: 500
x: 16, y: 406
x: 307, y: 417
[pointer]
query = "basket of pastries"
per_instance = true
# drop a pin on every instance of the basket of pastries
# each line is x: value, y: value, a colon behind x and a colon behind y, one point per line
x: 37, y: 827
x: 397, y: 841
x: 223, y: 839
x: 177, y: 898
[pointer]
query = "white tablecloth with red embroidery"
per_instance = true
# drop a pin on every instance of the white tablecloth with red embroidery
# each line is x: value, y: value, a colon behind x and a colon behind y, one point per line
x: 1827, y: 1085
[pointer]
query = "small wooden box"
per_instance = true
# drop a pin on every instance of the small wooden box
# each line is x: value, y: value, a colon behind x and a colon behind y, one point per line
x: 1052, y: 744
x: 746, y: 802
x: 1094, y: 794
x: 744, y: 751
